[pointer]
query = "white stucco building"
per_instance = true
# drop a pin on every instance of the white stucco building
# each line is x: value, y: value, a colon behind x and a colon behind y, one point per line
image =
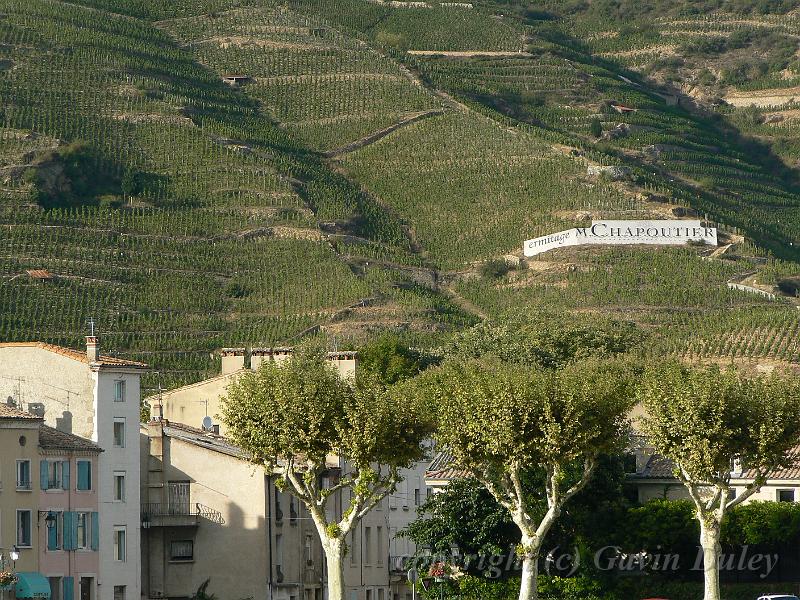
x: 95, y: 397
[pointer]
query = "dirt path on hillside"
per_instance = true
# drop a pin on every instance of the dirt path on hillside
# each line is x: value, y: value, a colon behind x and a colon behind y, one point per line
x: 382, y: 133
x: 469, y: 53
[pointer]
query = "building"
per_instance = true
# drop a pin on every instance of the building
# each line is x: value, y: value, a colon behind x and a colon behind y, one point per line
x: 96, y: 398
x: 190, y: 404
x: 189, y: 460
x: 208, y: 511
x: 69, y: 542
x: 655, y: 479
x: 19, y: 488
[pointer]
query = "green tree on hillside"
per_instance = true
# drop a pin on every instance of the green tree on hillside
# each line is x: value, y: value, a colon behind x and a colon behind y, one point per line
x: 710, y: 422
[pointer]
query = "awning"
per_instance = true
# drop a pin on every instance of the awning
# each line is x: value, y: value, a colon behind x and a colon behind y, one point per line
x: 32, y: 585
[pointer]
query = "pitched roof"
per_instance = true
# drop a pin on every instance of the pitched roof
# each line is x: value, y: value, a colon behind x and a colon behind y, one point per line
x: 108, y: 361
x: 660, y: 467
x: 443, y: 467
x: 53, y: 439
x: 202, y: 438
x: 657, y: 467
x: 11, y: 413
x: 791, y: 472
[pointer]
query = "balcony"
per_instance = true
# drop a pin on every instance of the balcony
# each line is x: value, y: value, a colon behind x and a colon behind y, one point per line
x: 399, y: 564
x: 178, y: 515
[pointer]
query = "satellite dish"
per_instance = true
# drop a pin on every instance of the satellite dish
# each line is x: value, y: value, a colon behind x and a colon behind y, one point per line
x: 207, y: 423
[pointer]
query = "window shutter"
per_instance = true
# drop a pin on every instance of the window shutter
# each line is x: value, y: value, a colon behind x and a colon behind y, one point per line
x: 65, y: 475
x: 70, y: 531
x: 95, y: 531
x: 84, y: 475
x: 52, y: 534
x: 69, y: 587
x: 43, y: 474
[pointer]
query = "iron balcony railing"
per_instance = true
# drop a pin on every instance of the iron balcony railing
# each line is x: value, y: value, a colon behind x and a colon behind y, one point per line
x: 195, y: 509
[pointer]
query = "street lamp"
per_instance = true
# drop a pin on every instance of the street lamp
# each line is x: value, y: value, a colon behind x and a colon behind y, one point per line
x: 14, y: 556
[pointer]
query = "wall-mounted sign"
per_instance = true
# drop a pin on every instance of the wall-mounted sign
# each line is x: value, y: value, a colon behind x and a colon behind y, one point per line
x: 611, y: 233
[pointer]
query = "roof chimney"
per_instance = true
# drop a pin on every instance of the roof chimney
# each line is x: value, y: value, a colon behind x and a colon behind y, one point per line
x: 92, y: 348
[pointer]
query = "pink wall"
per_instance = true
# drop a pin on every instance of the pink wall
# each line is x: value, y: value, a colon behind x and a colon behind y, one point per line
x: 68, y: 563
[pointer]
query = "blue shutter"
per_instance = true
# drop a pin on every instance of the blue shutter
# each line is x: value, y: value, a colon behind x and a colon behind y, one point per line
x: 43, y: 474
x: 65, y: 475
x: 69, y: 588
x: 95, y: 531
x: 84, y: 475
x: 52, y: 534
x: 70, y: 531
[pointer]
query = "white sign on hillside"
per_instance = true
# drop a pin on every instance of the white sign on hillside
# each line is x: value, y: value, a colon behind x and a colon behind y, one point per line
x: 611, y: 233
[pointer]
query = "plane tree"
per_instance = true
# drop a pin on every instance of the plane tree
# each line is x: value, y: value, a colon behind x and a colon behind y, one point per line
x: 296, y: 417
x: 710, y: 423
x: 500, y: 420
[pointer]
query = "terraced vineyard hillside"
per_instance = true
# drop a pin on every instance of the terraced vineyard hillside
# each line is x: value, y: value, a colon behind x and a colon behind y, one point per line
x: 207, y: 173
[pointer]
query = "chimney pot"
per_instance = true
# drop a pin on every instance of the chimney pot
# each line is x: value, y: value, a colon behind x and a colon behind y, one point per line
x: 92, y: 348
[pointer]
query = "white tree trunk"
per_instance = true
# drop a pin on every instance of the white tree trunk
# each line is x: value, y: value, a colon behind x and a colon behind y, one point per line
x: 709, y: 541
x: 334, y: 559
x: 528, y: 589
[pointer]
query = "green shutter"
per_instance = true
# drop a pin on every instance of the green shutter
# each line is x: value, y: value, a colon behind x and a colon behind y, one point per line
x: 84, y: 475
x: 52, y: 533
x: 95, y: 531
x: 65, y: 475
x: 69, y: 588
x: 70, y: 531
x: 43, y: 474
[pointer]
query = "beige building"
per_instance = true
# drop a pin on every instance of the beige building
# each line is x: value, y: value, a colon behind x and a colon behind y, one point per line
x: 19, y: 488
x: 97, y: 398
x: 190, y: 404
x: 654, y: 479
x: 189, y: 460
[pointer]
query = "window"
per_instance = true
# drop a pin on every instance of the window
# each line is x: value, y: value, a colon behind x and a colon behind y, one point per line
x: 119, y: 432
x: 416, y: 497
x: 353, y: 548
x: 785, y: 495
x: 82, y: 527
x: 84, y: 475
x: 278, y: 510
x: 23, y: 475
x: 181, y: 550
x: 381, y: 594
x: 119, y: 391
x: 292, y: 510
x: 369, y: 594
x: 307, y: 551
x: 24, y: 522
x: 119, y: 486
x: 367, y: 545
x: 55, y: 587
x: 54, y: 531
x: 87, y: 588
x: 54, y: 470
x: 279, y: 551
x: 732, y: 494
x: 379, y: 542
x: 119, y: 592
x: 119, y: 544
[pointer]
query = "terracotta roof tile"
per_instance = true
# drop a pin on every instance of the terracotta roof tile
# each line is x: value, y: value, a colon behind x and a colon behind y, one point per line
x: 443, y: 467
x: 9, y: 412
x: 74, y: 354
x: 53, y: 439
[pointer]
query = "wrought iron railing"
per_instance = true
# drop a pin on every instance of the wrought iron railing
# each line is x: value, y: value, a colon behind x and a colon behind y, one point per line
x: 182, y: 509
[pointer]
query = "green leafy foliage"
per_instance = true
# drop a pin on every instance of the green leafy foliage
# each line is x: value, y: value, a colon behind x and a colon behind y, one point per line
x: 545, y: 342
